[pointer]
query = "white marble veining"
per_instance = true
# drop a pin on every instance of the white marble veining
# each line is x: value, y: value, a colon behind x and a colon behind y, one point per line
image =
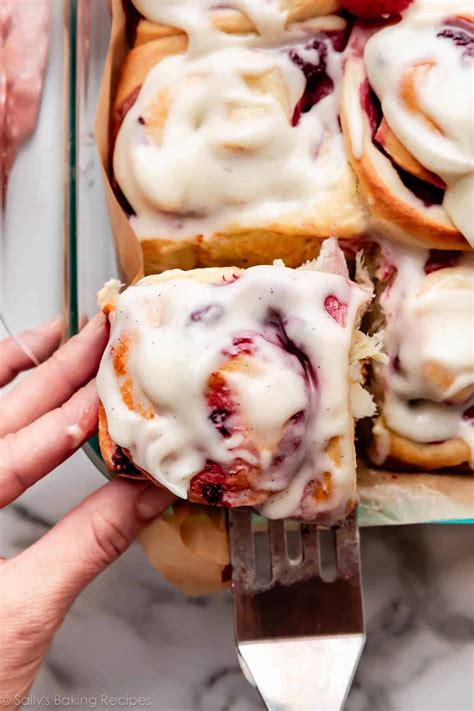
x: 132, y: 634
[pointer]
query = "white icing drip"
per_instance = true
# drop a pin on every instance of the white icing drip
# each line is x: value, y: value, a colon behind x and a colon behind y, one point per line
x: 269, y: 393
x: 173, y: 356
x: 227, y: 152
x: 429, y: 322
x: 443, y: 87
x: 195, y: 18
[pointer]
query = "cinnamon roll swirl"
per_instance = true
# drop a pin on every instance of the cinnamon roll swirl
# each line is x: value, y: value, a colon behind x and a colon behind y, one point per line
x: 407, y: 107
x: 233, y: 387
x: 228, y: 145
x: 425, y: 392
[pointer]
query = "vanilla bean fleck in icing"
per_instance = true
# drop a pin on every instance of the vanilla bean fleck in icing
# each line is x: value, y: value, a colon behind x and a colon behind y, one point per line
x: 428, y: 386
x: 422, y: 70
x: 182, y: 326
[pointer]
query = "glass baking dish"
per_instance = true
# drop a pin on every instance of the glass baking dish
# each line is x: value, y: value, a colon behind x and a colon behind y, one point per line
x: 90, y: 257
x: 34, y: 195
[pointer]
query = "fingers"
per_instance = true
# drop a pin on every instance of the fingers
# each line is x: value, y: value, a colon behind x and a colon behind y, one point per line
x: 84, y: 543
x: 41, y: 342
x: 39, y: 585
x: 28, y: 455
x: 53, y: 382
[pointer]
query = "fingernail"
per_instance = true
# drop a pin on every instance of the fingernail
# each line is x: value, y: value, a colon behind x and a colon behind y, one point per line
x: 152, y: 502
x: 96, y: 322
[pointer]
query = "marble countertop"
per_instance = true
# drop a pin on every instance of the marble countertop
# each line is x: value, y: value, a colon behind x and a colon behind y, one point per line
x: 131, y: 634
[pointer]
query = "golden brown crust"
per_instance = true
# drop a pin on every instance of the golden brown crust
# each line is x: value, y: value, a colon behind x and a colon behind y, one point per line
x: 426, y: 457
x: 242, y: 248
x: 233, y: 21
x: 137, y: 65
x: 403, y: 157
x: 396, y: 211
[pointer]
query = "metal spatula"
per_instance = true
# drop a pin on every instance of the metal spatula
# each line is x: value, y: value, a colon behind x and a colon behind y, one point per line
x: 298, y: 637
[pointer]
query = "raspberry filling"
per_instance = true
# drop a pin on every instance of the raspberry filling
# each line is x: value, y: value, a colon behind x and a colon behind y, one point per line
x: 318, y: 83
x: 229, y: 279
x: 275, y: 332
x: 209, y: 484
x: 216, y: 484
x: 441, y: 259
x: 461, y: 32
x: 336, y: 309
x: 428, y: 193
x: 240, y: 345
x: 375, y: 8
x: 122, y: 464
x: 469, y: 414
x: 221, y: 405
x: 223, y: 485
x: 371, y: 105
x: 209, y: 314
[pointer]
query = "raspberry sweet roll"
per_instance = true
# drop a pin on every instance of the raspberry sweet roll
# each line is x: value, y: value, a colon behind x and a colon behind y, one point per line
x: 228, y: 145
x: 407, y: 107
x: 425, y: 392
x: 233, y: 387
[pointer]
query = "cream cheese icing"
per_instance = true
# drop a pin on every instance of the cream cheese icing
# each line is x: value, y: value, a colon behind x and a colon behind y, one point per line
x: 424, y: 81
x: 195, y: 18
x: 226, y: 151
x: 181, y: 329
x: 428, y: 387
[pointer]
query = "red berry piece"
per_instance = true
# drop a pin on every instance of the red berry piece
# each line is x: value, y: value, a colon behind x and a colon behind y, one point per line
x: 336, y: 309
x: 461, y: 32
x: 210, y: 483
x: 375, y: 8
x: 240, y: 345
x: 469, y: 414
x: 441, y: 259
x: 209, y: 313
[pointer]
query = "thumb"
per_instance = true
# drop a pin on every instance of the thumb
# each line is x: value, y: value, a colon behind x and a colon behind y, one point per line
x: 58, y: 567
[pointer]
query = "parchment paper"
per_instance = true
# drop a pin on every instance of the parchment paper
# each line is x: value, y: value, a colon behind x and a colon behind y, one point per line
x: 189, y: 546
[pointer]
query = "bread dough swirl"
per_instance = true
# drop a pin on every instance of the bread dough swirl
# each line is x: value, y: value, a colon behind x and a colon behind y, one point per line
x: 232, y: 387
x: 422, y: 71
x: 209, y: 142
x: 426, y: 391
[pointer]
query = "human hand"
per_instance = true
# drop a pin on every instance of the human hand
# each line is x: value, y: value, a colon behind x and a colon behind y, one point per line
x: 43, y: 420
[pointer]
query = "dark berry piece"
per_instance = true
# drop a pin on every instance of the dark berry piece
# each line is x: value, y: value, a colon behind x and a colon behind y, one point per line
x: 212, y: 493
x: 318, y: 83
x: 469, y: 414
x: 461, y: 32
x: 121, y: 464
x: 441, y: 259
x: 218, y: 417
x: 209, y: 313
